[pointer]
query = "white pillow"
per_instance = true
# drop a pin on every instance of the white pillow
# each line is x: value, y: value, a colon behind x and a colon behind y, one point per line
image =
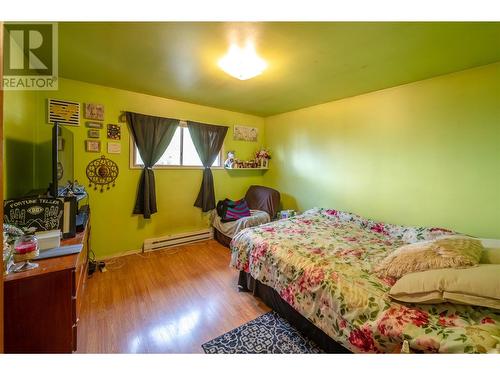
x: 491, y: 253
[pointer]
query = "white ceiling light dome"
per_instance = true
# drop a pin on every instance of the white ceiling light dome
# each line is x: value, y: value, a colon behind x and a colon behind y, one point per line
x: 242, y: 63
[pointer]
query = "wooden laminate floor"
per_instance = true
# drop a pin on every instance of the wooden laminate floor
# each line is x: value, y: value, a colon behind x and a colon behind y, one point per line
x: 169, y: 301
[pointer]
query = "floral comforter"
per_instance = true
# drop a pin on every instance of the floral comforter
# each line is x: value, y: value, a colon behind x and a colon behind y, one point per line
x: 321, y: 264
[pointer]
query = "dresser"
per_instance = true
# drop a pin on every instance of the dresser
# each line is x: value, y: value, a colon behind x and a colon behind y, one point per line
x: 42, y: 306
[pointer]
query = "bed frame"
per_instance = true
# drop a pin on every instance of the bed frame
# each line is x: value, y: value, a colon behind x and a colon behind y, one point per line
x: 246, y: 283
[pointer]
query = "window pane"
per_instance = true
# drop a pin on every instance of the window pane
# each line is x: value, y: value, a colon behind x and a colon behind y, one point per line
x: 172, y: 155
x: 190, y: 156
x: 138, y: 159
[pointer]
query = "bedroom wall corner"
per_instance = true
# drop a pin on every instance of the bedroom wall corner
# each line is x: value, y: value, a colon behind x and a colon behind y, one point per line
x: 424, y: 153
x: 114, y: 229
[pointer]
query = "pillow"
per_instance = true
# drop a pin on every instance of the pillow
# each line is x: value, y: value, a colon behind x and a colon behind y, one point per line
x: 490, y: 243
x: 230, y: 210
x: 443, y: 252
x: 491, y: 253
x: 490, y: 256
x: 478, y: 285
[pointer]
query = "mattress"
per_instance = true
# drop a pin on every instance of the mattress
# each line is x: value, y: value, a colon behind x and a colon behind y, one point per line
x: 230, y: 228
x: 321, y: 264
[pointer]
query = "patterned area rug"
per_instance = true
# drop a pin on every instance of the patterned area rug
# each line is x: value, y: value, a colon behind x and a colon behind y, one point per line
x: 268, y: 334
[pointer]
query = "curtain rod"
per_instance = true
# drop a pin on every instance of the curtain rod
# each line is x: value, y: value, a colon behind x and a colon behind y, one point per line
x: 122, y: 118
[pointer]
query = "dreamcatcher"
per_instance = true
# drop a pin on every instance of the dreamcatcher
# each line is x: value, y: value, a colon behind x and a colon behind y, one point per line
x: 102, y: 172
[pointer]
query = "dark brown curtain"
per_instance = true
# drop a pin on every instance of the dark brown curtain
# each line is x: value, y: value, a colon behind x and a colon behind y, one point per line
x: 152, y: 135
x: 207, y: 140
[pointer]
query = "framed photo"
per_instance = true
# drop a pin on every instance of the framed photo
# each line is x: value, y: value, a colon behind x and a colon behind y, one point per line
x: 63, y: 112
x: 114, y: 132
x: 114, y: 147
x: 60, y: 144
x: 94, y: 125
x: 94, y: 133
x: 94, y: 111
x: 245, y: 133
x: 92, y: 146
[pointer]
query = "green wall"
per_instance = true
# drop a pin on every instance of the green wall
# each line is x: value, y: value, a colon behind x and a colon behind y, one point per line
x: 425, y: 153
x: 114, y: 228
x: 19, y: 142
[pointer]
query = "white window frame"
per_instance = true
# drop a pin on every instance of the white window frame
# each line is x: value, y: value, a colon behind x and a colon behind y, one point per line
x: 182, y: 124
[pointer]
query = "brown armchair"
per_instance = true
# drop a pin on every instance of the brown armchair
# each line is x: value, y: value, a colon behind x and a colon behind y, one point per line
x: 260, y: 198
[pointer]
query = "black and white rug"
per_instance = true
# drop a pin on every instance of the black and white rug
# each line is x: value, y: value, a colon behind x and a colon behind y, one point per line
x: 268, y: 334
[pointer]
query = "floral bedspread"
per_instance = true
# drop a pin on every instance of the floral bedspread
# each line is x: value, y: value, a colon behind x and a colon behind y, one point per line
x: 321, y: 264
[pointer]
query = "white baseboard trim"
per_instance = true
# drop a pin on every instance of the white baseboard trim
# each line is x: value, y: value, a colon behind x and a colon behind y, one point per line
x: 140, y: 251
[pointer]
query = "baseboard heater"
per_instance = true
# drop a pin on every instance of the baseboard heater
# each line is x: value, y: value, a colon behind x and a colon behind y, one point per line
x: 151, y: 244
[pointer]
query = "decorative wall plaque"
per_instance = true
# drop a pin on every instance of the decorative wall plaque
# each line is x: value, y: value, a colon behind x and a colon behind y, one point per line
x: 114, y: 132
x: 94, y: 125
x: 92, y: 145
x: 94, y: 111
x: 63, y: 112
x: 245, y: 133
x: 114, y: 147
x: 102, y: 172
x: 39, y: 213
x: 93, y: 133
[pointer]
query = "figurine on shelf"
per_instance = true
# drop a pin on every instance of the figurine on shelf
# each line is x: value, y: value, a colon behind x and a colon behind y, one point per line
x: 230, y: 162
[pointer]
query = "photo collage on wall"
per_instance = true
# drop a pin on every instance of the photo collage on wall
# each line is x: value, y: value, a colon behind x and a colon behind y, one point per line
x: 68, y: 113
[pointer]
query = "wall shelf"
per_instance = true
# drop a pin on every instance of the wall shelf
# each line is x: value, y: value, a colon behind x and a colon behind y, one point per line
x: 246, y: 169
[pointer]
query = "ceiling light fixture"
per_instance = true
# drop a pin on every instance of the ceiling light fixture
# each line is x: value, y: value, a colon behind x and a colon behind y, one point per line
x: 242, y: 63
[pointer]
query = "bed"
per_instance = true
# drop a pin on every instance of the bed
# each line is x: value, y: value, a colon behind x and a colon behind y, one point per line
x: 320, y: 265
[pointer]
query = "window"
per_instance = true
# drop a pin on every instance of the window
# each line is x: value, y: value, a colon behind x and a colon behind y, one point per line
x: 179, y: 153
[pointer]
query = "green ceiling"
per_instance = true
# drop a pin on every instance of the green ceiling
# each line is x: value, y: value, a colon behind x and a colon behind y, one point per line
x: 309, y: 63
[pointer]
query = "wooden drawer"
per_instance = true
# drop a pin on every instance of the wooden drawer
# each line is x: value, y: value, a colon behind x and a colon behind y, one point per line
x: 74, y: 311
x: 42, y: 305
x: 39, y: 314
x: 81, y: 290
x: 80, y: 280
x: 75, y: 337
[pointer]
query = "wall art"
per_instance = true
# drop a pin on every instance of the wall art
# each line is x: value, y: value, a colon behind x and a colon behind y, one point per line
x: 245, y: 133
x: 94, y: 125
x: 94, y: 133
x: 114, y: 132
x: 60, y: 144
x: 94, y: 111
x: 92, y: 146
x: 63, y: 112
x: 114, y: 147
x: 102, y: 172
